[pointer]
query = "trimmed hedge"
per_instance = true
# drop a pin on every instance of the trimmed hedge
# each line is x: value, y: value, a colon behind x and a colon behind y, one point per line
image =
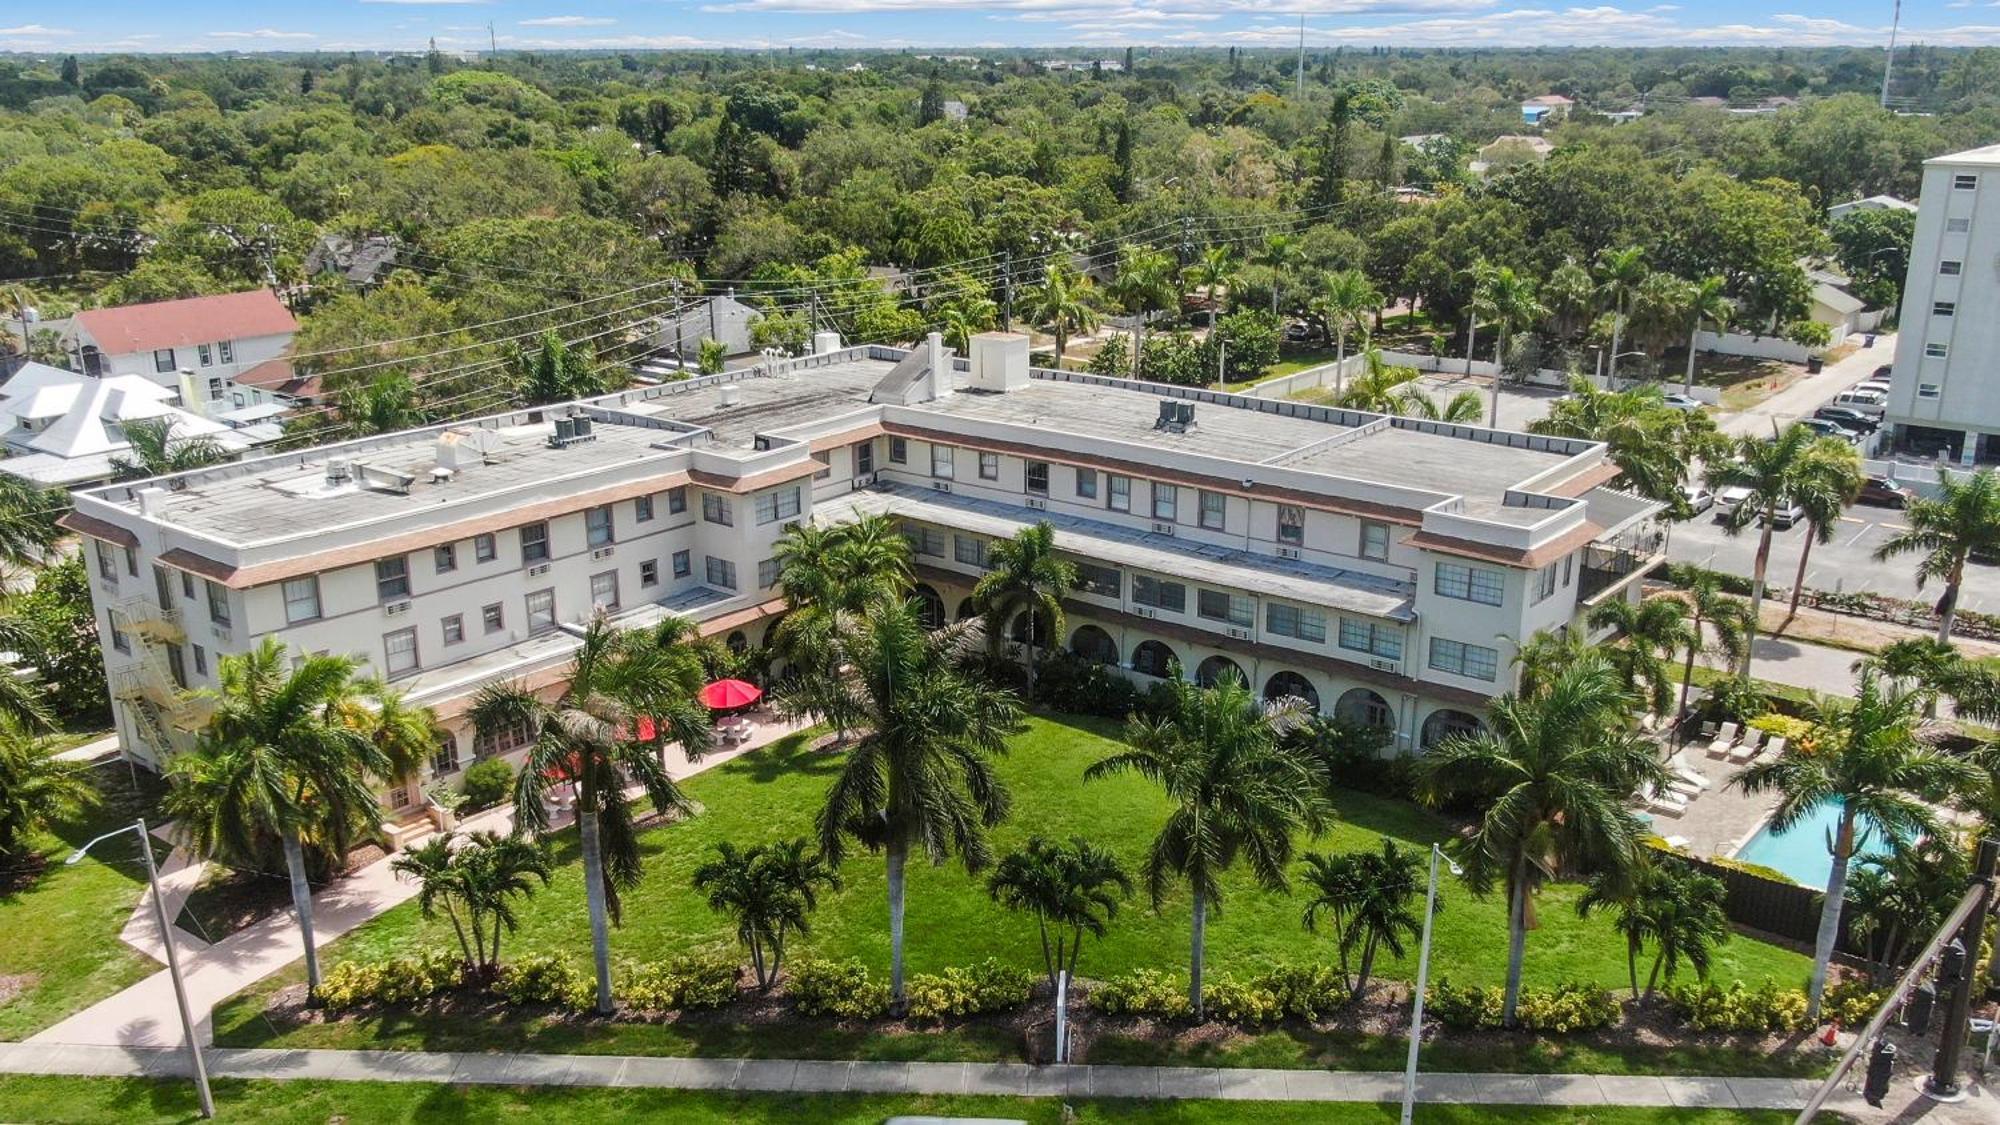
x: 686, y: 982
x: 398, y: 980
x: 545, y: 979
x: 1568, y: 1007
x: 1301, y: 992
x: 986, y: 987
x: 836, y: 988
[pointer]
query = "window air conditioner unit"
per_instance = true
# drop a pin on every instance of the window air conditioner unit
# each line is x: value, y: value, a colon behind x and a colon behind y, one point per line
x: 865, y: 481
x: 1038, y: 504
x: 221, y: 634
x: 1385, y: 665
x: 538, y: 569
x: 602, y: 552
x: 940, y: 486
x: 1162, y: 528
x: 1144, y: 611
x: 1288, y: 552
x: 394, y: 609
x: 1239, y: 634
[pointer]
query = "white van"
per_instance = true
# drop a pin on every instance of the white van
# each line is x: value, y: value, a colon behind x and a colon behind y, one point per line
x: 1868, y: 401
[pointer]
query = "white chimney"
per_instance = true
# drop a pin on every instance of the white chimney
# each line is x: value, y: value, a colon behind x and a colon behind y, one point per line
x: 731, y: 394
x: 943, y: 376
x: 150, y: 500
x: 999, y: 361
x: 824, y: 342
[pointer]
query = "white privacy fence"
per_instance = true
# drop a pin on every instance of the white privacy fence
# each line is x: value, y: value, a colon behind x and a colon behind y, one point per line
x: 1328, y: 374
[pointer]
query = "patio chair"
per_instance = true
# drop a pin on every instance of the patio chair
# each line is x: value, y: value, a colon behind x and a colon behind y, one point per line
x: 1683, y: 788
x: 1718, y: 746
x: 1675, y: 842
x: 1775, y: 746
x: 1753, y: 741
x: 1682, y: 768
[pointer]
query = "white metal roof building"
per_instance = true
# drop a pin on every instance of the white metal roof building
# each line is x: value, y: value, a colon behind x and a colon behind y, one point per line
x: 62, y: 428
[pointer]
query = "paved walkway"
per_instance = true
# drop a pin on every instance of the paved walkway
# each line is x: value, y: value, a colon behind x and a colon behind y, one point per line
x: 1810, y: 392
x: 1006, y: 1079
x: 143, y: 1015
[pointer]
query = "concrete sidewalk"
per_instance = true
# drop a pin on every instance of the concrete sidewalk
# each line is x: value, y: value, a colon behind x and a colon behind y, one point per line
x: 1005, y: 1079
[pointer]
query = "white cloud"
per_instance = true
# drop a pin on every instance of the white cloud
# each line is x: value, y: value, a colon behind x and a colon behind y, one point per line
x: 261, y: 33
x: 569, y: 21
x: 35, y: 29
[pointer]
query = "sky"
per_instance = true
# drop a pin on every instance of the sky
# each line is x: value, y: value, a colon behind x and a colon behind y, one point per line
x: 341, y: 25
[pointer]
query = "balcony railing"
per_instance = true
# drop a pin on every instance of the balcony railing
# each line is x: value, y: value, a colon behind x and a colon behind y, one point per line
x: 1607, y: 564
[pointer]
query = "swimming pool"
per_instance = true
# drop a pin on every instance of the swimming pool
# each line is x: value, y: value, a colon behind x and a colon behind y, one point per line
x: 1801, y: 852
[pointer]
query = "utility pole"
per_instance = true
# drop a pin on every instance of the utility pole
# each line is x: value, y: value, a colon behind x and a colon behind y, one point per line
x: 492, y: 41
x: 1889, y: 59
x: 1302, y: 54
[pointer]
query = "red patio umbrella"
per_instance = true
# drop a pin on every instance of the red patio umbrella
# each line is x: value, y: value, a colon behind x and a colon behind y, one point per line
x: 727, y: 695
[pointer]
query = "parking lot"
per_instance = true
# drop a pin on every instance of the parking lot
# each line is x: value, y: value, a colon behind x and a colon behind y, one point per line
x: 1519, y: 405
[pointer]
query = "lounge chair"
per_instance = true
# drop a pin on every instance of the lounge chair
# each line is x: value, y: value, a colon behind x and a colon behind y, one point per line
x: 1680, y: 767
x: 1753, y: 741
x: 1675, y: 842
x: 1775, y: 747
x: 1664, y: 801
x: 1718, y: 746
x: 1682, y: 787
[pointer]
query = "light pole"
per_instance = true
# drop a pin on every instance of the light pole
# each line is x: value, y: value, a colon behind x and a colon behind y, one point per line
x: 1423, y: 979
x: 173, y: 958
x: 1599, y: 349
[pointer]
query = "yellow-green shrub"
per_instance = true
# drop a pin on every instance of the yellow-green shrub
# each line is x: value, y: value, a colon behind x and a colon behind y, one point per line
x: 1707, y: 1006
x: 1795, y: 731
x: 1143, y: 992
x: 1250, y: 1004
x: 986, y: 987
x: 545, y: 979
x: 1305, y: 992
x: 1568, y: 1007
x: 685, y: 982
x: 397, y: 980
x: 836, y: 988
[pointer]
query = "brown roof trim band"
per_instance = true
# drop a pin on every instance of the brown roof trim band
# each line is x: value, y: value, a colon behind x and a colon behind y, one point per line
x: 1532, y: 559
x: 97, y: 529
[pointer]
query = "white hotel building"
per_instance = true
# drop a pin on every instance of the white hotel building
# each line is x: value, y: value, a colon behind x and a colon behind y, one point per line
x: 1381, y: 567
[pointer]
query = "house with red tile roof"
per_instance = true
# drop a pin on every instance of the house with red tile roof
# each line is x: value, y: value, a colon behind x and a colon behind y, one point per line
x: 220, y: 353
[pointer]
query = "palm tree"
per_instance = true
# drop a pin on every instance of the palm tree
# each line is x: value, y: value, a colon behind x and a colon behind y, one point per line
x: 1570, y: 294
x: 1344, y: 301
x: 279, y: 760
x: 1370, y: 898
x: 1771, y: 472
x: 825, y: 574
x: 1963, y: 519
x: 155, y: 451
x: 1651, y: 633
x: 1072, y: 889
x: 496, y: 870
x: 1830, y: 480
x: 1652, y: 443
x: 1215, y: 269
x: 553, y: 370
x: 1620, y: 272
x: 1506, y: 299
x: 1659, y: 311
x: 1554, y: 772
x: 1146, y: 283
x: 1679, y: 910
x: 1707, y: 307
x: 1238, y: 789
x: 383, y: 406
x: 921, y: 775
x: 28, y: 531
x: 964, y: 315
x: 1464, y: 407
x: 1060, y: 304
x: 1897, y: 897
x: 1544, y: 655
x: 1868, y: 762
x: 771, y: 890
x: 1281, y: 253
x: 440, y: 885
x: 37, y: 788
x: 1025, y: 576
x: 586, y: 739
x: 1711, y: 611
x: 1380, y: 388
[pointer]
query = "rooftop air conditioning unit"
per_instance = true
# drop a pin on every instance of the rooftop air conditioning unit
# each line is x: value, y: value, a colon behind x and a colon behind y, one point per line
x: 731, y: 394
x: 338, y: 471
x: 396, y: 609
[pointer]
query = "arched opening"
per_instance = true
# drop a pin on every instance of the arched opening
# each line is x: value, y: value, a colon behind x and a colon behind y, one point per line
x: 1290, y: 684
x: 771, y: 631
x: 1365, y: 708
x: 966, y: 611
x: 929, y: 606
x: 1446, y: 723
x: 1094, y: 645
x: 1017, y: 630
x: 1215, y: 669
x: 737, y: 642
x: 1152, y: 658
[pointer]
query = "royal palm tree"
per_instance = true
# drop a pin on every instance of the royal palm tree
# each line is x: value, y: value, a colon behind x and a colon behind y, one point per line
x: 1071, y: 888
x: 37, y: 788
x: 156, y: 451
x: 1281, y: 254
x: 1554, y: 771
x: 1061, y: 305
x: 1707, y: 307
x: 1506, y: 300
x: 1370, y: 899
x: 1024, y: 575
x: 826, y: 573
x: 1711, y: 611
x: 1651, y: 632
x: 280, y: 761
x: 1238, y: 788
x: 1830, y: 480
x: 920, y: 777
x: 1146, y: 283
x: 1771, y: 473
x: 587, y: 739
x: 1620, y: 273
x: 1345, y: 300
x: 771, y: 891
x: 1869, y: 763
x: 1652, y: 443
x: 1678, y: 910
x: 1947, y: 529
x: 1214, y: 270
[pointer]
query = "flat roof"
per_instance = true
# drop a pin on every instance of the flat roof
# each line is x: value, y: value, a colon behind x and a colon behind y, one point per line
x: 1986, y: 154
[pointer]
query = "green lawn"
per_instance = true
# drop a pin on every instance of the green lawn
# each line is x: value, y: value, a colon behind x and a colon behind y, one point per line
x: 131, y: 1101
x: 775, y: 792
x: 61, y: 950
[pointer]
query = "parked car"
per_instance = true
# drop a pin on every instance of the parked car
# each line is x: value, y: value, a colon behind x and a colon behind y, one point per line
x: 1786, y: 516
x: 1848, y: 418
x: 1727, y: 500
x: 1680, y: 401
x: 1824, y: 428
x: 1885, y: 492
x: 1698, y: 498
x: 1867, y: 401
x: 1876, y: 385
x: 1298, y: 332
x: 1882, y: 373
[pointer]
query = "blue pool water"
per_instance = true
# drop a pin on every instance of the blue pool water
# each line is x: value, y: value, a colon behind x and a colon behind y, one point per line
x: 1801, y: 851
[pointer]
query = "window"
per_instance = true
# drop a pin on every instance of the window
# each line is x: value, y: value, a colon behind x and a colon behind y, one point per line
x: 899, y: 451
x: 1374, y: 540
x: 392, y: 578
x: 677, y: 500
x: 597, y: 525
x: 176, y: 668
x: 989, y: 466
x: 767, y: 574
x: 163, y: 360
x: 1927, y: 390
x: 492, y: 618
x: 1237, y: 609
x: 941, y: 461
x: 1460, y: 659
x: 225, y: 351
x: 1166, y: 502
x: 131, y: 562
x: 1950, y: 268
x: 541, y: 611
x: 1214, y: 510
x: 1470, y: 583
x: 683, y: 566
x: 825, y: 463
x: 1944, y: 308
x: 1118, y: 497
x: 200, y: 660
x: 535, y: 543
x: 484, y: 548
x: 1936, y: 351
x: 214, y: 389
x: 218, y: 603
x: 206, y: 354
x: 969, y: 550
x: 119, y: 640
x: 924, y: 540
x: 1965, y: 181
x: 301, y: 599
x: 1037, y: 477
x: 604, y: 591
x: 780, y: 504
x: 722, y: 573
x: 107, y: 563
x: 1086, y: 484
x: 454, y: 629
x: 642, y: 509
x: 1104, y: 581
x: 1159, y: 593
x: 486, y: 744
x: 649, y: 572
x: 446, y: 556
x: 445, y: 761
x: 1372, y: 638
x: 187, y: 584
x: 1544, y: 582
x: 1957, y: 226
x: 400, y: 650
x: 864, y: 458
x: 715, y: 509
x: 1292, y: 621
x: 1291, y: 524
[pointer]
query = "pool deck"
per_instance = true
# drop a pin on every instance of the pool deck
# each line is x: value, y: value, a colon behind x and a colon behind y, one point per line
x: 1721, y: 818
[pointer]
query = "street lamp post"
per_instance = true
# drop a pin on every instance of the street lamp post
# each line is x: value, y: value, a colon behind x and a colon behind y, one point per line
x: 173, y: 958
x: 1423, y: 980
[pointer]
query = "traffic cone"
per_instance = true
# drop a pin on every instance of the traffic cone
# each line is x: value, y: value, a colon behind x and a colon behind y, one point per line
x: 1832, y: 1033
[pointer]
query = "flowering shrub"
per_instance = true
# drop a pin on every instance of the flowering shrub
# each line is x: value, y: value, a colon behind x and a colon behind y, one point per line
x: 986, y: 987
x: 1143, y: 992
x: 836, y: 988
x: 1852, y: 1002
x: 688, y: 981
x: 545, y: 979
x: 1706, y: 1006
x: 1796, y: 732
x: 397, y: 980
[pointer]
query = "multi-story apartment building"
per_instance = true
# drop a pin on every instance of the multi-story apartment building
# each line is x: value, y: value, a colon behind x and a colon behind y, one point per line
x: 1381, y: 567
x: 219, y: 352
x: 1945, y: 389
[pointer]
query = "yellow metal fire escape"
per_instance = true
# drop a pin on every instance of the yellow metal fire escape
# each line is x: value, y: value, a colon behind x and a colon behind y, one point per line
x: 164, y: 714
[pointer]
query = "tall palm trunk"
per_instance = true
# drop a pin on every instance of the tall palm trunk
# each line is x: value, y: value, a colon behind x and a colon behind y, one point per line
x: 1632, y: 966
x: 593, y: 890
x: 1198, y: 947
x: 1471, y: 339
x: 1340, y: 368
x: 1062, y: 338
x: 1805, y: 552
x: 1948, y: 605
x: 1688, y: 387
x: 1617, y: 334
x: 1763, y: 564
x: 1653, y: 978
x: 1829, y: 915
x: 898, y: 852
x: 1517, y: 942
x: 1499, y: 357
x: 302, y: 905
x: 1031, y: 654
x: 1367, y: 967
